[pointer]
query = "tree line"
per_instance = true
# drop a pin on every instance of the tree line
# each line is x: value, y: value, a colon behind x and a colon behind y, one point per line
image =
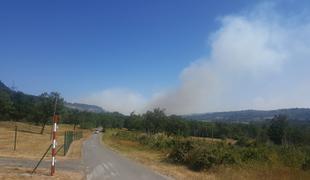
x: 278, y: 130
x: 18, y: 106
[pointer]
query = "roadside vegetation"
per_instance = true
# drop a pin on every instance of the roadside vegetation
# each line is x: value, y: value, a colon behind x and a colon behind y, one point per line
x: 159, y: 153
x: 273, y: 146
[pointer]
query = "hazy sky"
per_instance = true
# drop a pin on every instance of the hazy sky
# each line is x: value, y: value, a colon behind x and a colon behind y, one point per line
x: 184, y: 56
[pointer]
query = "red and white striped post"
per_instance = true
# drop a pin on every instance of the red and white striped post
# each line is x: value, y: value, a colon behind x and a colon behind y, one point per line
x: 55, y: 121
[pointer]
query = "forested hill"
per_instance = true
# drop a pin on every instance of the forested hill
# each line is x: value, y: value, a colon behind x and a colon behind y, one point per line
x: 301, y: 114
x: 6, y: 94
x: 84, y: 107
x: 4, y: 88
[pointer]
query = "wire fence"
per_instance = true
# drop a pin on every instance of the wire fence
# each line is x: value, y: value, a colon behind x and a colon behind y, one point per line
x: 71, y: 136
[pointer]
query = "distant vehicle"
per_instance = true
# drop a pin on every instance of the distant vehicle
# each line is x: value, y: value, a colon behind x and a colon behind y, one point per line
x: 97, y: 131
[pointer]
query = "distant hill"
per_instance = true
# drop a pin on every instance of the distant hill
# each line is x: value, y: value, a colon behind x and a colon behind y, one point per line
x: 84, y: 107
x: 4, y: 88
x: 31, y: 98
x: 301, y: 114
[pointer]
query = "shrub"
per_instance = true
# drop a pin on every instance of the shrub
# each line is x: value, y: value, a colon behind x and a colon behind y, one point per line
x: 162, y: 141
x: 158, y: 141
x: 202, y: 158
x: 199, y: 155
x: 306, y: 164
x: 209, y: 155
x: 179, y: 153
x: 291, y: 156
x: 125, y: 135
x: 245, y: 142
x: 253, y: 154
x: 229, y: 158
x: 143, y: 139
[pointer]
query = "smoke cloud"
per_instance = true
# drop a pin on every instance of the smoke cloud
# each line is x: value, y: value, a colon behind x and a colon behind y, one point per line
x: 258, y: 60
x: 121, y: 100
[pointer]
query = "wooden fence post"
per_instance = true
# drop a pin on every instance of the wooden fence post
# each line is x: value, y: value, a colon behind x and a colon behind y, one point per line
x: 15, y: 138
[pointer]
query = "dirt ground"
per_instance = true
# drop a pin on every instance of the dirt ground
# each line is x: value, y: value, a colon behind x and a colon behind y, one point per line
x: 13, y: 173
x: 32, y: 145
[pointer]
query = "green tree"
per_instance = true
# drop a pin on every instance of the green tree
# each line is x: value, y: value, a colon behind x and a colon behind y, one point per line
x: 23, y: 106
x: 45, y: 107
x: 154, y: 121
x: 6, y: 105
x: 277, y: 129
x: 133, y: 122
x: 177, y: 126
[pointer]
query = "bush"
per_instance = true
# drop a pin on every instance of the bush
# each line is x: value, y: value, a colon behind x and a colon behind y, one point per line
x: 161, y: 141
x: 306, y: 164
x: 125, y: 135
x: 158, y: 141
x: 179, y: 153
x: 199, y: 155
x: 292, y: 156
x: 253, y: 154
x: 245, y: 142
x: 143, y: 139
x: 202, y: 158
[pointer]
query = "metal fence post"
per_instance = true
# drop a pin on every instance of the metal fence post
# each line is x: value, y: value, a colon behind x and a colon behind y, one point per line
x: 65, y: 143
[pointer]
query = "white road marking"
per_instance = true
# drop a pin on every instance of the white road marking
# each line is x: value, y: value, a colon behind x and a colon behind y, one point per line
x: 110, y: 164
x: 106, y: 166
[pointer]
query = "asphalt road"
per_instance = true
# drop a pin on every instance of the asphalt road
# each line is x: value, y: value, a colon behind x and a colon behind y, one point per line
x: 102, y: 163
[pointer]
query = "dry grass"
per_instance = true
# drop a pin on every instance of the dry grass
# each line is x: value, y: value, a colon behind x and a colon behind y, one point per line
x: 156, y: 161
x: 31, y: 144
x: 11, y: 173
x: 210, y: 140
x: 256, y: 172
x: 75, y: 151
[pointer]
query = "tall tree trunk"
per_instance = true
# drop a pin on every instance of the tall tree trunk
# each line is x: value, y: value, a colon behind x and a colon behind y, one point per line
x: 43, y: 126
x: 74, y: 126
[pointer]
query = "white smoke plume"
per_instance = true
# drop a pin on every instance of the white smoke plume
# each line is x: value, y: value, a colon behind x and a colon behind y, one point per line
x: 121, y: 100
x: 258, y: 60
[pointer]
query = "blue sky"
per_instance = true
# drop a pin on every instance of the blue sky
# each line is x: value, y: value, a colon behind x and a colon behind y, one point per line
x: 76, y: 47
x: 81, y: 48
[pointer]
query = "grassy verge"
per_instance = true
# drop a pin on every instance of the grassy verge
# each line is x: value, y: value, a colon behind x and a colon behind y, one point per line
x: 157, y: 160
